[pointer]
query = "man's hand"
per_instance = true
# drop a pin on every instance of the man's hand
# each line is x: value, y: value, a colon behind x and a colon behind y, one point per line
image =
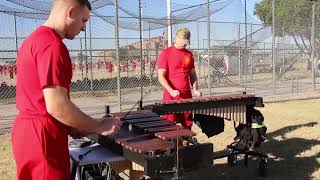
x: 77, y: 133
x: 174, y: 93
x: 109, y: 126
x: 197, y: 93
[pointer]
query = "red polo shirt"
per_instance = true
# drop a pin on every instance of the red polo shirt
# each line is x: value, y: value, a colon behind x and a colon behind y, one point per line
x: 40, y: 142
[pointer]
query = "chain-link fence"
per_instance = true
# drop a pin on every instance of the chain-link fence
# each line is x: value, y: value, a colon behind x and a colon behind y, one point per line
x: 115, y: 59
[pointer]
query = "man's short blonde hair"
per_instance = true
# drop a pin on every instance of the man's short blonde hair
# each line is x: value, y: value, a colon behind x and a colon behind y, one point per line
x: 183, y: 33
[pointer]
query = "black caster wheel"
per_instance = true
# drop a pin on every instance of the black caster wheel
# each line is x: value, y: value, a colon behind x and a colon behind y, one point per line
x: 263, y: 167
x: 232, y: 158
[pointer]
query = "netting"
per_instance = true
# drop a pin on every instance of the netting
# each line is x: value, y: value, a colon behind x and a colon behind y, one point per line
x: 153, y: 17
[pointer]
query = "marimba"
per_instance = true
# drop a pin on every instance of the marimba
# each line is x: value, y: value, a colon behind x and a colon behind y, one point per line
x: 234, y: 107
x: 151, y: 141
x: 154, y: 143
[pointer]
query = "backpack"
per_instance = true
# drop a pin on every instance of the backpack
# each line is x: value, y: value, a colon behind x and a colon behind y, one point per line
x: 253, y: 133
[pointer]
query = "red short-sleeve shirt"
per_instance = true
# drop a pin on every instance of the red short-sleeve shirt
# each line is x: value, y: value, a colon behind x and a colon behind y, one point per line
x: 178, y: 63
x: 43, y: 60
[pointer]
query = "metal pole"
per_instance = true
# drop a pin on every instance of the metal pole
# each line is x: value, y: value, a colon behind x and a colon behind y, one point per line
x: 239, y: 53
x: 86, y: 54
x: 251, y: 55
x: 312, y: 46
x: 149, y: 56
x: 15, y: 31
x: 273, y: 48
x: 90, y: 53
x: 81, y: 58
x: 169, y: 22
x: 209, y: 64
x: 245, y: 23
x: 140, y: 30
x: 203, y: 43
x: 143, y: 49
x: 198, y: 54
x: 283, y: 53
x: 246, y: 43
x: 116, y: 26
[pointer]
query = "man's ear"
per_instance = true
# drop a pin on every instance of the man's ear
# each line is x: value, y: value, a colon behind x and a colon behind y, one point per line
x: 72, y: 11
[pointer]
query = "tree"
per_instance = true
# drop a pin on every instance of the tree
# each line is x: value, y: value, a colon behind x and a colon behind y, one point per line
x: 127, y: 53
x: 294, y: 19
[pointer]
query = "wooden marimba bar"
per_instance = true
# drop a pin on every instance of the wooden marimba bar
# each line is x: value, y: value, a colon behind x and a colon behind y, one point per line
x: 146, y: 132
x: 231, y: 107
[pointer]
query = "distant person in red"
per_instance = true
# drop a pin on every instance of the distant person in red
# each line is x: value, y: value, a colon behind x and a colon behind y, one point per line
x: 46, y: 114
x: 1, y: 70
x: 176, y: 73
x: 143, y: 65
x: 152, y: 64
x: 11, y: 71
x: 5, y: 68
x: 74, y: 66
x: 125, y: 67
x: 99, y: 64
x: 87, y: 66
x: 15, y: 69
x: 122, y: 68
x: 133, y: 65
x: 110, y: 67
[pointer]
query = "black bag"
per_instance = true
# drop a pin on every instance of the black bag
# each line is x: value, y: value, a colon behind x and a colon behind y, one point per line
x: 210, y: 125
x: 258, y: 128
x: 253, y: 133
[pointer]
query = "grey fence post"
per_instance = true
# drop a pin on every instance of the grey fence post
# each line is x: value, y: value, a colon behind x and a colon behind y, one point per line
x: 140, y: 30
x: 81, y: 58
x: 208, y: 34
x: 273, y: 49
x: 15, y: 32
x: 90, y: 53
x: 283, y: 53
x: 312, y: 59
x: 239, y: 53
x: 149, y: 56
x: 198, y: 52
x: 116, y: 29
x: 246, y: 44
x: 86, y: 56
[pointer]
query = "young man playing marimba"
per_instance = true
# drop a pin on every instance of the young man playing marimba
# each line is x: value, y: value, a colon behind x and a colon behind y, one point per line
x: 176, y: 72
x: 46, y: 114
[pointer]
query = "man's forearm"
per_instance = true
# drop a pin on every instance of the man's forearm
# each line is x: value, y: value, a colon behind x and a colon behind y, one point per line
x: 62, y: 109
x: 163, y: 81
x: 194, y: 85
x: 74, y: 117
x: 194, y: 79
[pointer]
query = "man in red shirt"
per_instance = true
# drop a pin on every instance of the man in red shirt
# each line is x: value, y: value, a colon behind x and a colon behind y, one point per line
x: 176, y: 72
x: 46, y: 114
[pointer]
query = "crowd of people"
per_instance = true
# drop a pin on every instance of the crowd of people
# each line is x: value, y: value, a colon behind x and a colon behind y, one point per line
x: 8, y: 70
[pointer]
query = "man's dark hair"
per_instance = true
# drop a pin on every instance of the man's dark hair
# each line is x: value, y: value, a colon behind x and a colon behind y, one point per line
x: 84, y: 3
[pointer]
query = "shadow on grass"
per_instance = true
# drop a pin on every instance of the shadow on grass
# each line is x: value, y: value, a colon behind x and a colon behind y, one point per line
x: 285, y: 162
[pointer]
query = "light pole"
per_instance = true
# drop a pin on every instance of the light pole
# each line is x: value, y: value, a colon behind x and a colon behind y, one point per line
x: 209, y: 31
x: 246, y: 43
x: 312, y: 59
x: 273, y: 48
